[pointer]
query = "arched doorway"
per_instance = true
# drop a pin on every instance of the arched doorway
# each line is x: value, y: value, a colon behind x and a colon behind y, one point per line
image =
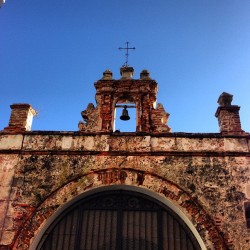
x: 118, y: 219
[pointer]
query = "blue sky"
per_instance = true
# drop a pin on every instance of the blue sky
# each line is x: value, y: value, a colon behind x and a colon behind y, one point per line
x: 52, y: 52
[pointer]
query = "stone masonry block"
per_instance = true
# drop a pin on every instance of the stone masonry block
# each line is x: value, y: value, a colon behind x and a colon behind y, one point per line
x: 199, y: 144
x: 10, y: 142
x: 8, y: 223
x: 247, y: 190
x: 82, y: 143
x: 3, y: 209
x: 5, y: 192
x: 187, y: 144
x: 42, y: 142
x: 8, y: 162
x: 6, y: 177
x: 130, y: 143
x: 78, y: 142
x: 7, y: 237
x: 163, y: 143
x: 236, y: 144
x: 69, y: 142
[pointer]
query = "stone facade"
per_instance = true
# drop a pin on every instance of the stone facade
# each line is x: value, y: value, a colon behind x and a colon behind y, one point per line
x: 205, y: 176
x: 110, y: 93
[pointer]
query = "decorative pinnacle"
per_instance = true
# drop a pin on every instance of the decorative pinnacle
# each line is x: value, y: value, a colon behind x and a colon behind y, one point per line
x: 127, y: 54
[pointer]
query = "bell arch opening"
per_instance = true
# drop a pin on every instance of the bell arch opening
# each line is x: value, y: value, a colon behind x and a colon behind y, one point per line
x: 125, y: 117
x: 124, y: 113
x: 118, y: 218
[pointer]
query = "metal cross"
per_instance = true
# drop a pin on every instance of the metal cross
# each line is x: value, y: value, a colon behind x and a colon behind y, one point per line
x: 127, y: 54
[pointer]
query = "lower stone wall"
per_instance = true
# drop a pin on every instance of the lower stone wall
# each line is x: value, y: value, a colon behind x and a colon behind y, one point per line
x: 209, y: 186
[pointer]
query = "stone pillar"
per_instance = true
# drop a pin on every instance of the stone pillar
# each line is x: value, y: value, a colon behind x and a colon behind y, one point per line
x: 107, y: 75
x: 228, y: 115
x: 21, y: 118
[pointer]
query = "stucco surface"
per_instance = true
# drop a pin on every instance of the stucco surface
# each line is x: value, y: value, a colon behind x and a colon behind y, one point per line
x: 204, y: 176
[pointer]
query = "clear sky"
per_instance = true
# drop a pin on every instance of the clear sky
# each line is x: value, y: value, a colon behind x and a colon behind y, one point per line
x: 52, y: 52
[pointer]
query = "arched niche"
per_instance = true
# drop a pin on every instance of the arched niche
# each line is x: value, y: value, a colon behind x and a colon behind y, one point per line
x: 118, y: 217
x: 121, y: 102
x: 182, y: 203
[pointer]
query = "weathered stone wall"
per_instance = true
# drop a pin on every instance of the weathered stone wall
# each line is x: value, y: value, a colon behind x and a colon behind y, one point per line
x: 207, y: 176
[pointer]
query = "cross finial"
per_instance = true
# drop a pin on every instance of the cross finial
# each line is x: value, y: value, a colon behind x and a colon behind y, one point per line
x: 127, y: 54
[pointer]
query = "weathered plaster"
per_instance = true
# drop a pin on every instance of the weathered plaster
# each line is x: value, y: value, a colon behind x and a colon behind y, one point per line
x: 64, y: 165
x: 11, y: 141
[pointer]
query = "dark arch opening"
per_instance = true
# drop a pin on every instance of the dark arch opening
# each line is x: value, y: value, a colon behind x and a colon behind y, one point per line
x: 118, y: 220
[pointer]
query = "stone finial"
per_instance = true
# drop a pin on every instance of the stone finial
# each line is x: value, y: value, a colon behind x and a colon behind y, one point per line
x: 126, y: 72
x: 159, y: 119
x: 21, y: 117
x: 107, y: 75
x: 228, y: 115
x: 225, y: 99
x: 91, y: 119
x: 145, y: 74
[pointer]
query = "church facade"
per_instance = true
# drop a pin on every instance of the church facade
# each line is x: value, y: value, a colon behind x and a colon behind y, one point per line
x: 100, y: 188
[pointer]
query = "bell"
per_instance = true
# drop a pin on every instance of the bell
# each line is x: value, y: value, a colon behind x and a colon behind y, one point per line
x: 125, y: 116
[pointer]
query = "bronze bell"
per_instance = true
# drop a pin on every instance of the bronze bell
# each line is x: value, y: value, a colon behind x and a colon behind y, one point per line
x: 125, y: 116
